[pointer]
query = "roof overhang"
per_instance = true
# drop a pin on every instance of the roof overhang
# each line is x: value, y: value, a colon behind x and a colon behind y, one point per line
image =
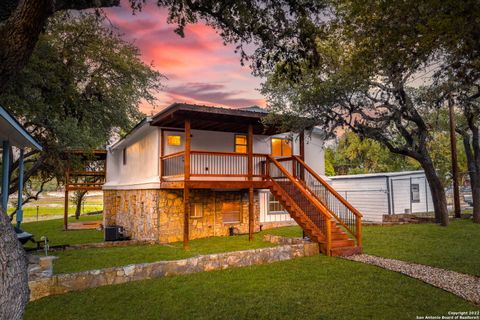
x: 212, y: 119
x: 11, y: 130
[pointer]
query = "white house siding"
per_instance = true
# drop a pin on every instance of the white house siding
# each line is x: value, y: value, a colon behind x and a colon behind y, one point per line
x: 375, y: 195
x: 401, y: 194
x: 369, y: 196
x: 271, y: 217
x: 142, y: 162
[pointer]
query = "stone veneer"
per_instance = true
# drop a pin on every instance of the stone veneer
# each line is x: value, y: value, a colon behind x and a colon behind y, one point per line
x: 152, y: 214
x: 63, y: 283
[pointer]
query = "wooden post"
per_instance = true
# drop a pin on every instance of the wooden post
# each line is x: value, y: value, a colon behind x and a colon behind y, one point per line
x: 358, y: 230
x: 162, y: 153
x: 329, y: 237
x: 251, y: 213
x: 186, y: 188
x: 65, y: 209
x: 302, y: 154
x: 453, y: 146
x: 251, y: 207
x: 186, y: 221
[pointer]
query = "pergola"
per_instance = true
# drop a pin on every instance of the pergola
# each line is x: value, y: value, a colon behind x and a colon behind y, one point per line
x: 13, y: 134
x: 88, y: 175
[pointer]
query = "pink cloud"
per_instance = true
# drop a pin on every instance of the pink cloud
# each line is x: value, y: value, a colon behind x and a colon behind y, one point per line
x: 199, y: 67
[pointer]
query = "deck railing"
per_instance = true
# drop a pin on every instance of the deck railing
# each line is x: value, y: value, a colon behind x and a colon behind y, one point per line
x: 342, y: 211
x: 212, y: 164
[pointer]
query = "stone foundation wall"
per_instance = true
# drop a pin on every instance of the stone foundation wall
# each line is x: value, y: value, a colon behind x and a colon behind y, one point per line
x: 277, y: 224
x: 63, y: 283
x: 159, y: 214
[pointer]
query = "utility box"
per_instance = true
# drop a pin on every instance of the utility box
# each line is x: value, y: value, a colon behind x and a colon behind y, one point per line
x: 115, y: 233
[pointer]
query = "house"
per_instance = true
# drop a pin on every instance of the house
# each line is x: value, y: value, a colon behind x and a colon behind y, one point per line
x: 12, y: 134
x: 195, y: 171
x: 389, y: 193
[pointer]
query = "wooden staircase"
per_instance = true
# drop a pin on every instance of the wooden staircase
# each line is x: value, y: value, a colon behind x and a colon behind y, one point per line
x: 322, y: 213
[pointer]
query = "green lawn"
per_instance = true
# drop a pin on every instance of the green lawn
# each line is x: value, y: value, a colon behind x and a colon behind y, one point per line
x: 87, y: 259
x: 53, y: 229
x: 53, y: 209
x: 456, y: 247
x: 307, y: 288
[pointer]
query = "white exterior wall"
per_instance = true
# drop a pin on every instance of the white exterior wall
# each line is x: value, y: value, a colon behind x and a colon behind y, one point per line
x: 368, y: 195
x: 141, y: 169
x: 143, y: 152
x: 401, y: 195
x: 371, y: 195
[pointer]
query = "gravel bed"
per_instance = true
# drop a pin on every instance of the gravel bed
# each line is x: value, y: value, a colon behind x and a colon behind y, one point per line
x: 463, y: 285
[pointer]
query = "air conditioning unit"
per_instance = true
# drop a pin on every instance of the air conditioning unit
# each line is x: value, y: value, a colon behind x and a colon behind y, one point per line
x: 115, y: 233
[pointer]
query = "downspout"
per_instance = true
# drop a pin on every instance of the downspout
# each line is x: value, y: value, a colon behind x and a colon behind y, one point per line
x: 388, y: 196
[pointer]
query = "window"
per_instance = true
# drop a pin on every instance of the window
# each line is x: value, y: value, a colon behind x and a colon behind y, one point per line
x: 274, y: 206
x: 232, y: 209
x: 240, y: 143
x: 174, y: 140
x: 124, y: 156
x: 281, y: 147
x: 415, y: 192
x: 196, y: 210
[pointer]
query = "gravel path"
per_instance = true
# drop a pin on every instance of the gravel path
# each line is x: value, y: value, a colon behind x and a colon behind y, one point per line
x: 463, y: 285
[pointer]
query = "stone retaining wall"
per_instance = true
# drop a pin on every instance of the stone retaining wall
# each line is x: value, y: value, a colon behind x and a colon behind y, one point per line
x: 63, y: 283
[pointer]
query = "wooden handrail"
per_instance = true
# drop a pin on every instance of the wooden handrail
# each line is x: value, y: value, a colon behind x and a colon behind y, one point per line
x: 172, y: 155
x: 297, y: 184
x: 326, y: 185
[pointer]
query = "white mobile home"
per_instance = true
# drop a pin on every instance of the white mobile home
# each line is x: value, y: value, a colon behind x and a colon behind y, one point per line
x: 388, y: 193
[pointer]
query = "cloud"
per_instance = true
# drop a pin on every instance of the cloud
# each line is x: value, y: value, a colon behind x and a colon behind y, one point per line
x: 199, y: 67
x: 211, y: 94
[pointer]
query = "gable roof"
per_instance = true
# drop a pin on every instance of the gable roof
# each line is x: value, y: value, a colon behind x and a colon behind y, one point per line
x: 213, y: 118
x: 11, y: 130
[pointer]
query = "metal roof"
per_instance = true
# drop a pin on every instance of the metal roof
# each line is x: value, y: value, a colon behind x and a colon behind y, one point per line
x: 11, y: 130
x: 377, y: 175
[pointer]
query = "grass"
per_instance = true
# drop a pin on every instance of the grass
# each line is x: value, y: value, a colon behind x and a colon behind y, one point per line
x: 53, y: 229
x: 307, y: 288
x: 51, y: 209
x: 456, y: 247
x: 87, y: 259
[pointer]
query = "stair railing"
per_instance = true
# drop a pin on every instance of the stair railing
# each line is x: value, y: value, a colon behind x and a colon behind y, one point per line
x: 341, y: 210
x: 277, y: 173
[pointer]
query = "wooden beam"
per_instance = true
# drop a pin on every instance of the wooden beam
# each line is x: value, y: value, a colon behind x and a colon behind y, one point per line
x: 219, y: 184
x: 186, y: 190
x: 251, y: 213
x: 65, y: 209
x: 162, y: 153
x: 302, y: 154
x: 186, y: 217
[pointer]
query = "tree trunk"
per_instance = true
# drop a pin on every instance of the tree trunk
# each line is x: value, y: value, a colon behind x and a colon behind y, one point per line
x: 14, y: 291
x: 78, y: 203
x: 474, y: 175
x: 436, y: 189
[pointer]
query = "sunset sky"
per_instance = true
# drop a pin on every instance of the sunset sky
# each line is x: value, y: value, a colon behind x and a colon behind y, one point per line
x: 200, y: 68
